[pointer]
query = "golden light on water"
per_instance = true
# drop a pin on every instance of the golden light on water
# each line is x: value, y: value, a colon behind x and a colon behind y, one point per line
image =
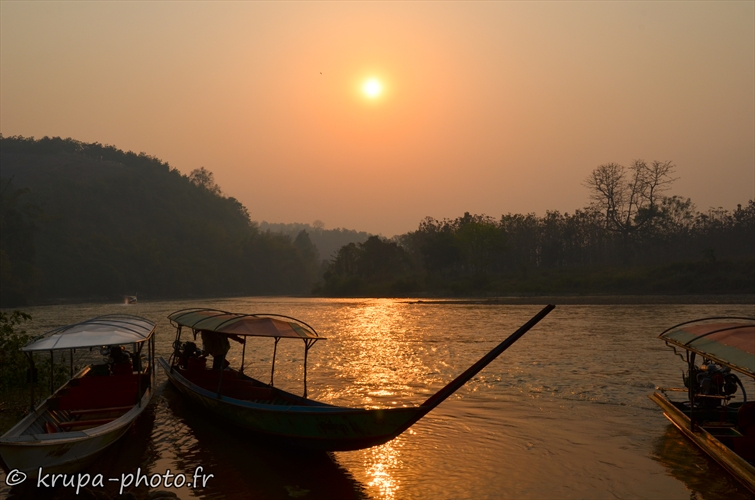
x: 379, y: 463
x: 381, y: 367
x: 384, y: 368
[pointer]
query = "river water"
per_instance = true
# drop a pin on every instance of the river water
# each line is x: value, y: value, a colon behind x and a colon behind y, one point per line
x: 563, y: 413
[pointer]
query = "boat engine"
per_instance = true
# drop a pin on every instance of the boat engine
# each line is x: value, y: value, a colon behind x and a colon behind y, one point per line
x: 713, y: 380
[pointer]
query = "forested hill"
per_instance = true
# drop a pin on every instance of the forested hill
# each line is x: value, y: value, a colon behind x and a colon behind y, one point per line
x: 91, y: 221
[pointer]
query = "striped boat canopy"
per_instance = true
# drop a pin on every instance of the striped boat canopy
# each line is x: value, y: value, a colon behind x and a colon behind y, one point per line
x: 727, y: 341
x: 113, y: 329
x: 250, y: 325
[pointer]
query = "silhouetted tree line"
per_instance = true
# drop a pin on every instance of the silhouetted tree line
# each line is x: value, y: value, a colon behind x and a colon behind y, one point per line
x: 91, y: 221
x: 629, y: 239
x: 327, y: 241
x: 83, y: 221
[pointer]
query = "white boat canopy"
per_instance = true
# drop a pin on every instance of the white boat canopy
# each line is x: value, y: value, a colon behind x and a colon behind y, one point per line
x: 726, y: 340
x: 244, y: 325
x: 113, y: 329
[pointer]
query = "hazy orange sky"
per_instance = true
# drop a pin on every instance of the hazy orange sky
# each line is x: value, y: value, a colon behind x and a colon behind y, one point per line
x: 489, y: 107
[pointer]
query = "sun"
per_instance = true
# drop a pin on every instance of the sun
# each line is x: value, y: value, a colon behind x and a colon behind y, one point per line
x: 372, y: 88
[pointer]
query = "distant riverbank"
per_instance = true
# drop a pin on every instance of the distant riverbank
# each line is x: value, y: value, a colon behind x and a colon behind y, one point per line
x: 501, y: 300
x: 599, y: 300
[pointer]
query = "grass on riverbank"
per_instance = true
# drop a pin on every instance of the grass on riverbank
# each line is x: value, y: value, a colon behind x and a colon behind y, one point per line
x: 684, y: 278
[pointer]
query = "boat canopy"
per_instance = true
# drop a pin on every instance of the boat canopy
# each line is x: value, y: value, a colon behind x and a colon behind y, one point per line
x: 254, y: 325
x: 114, y: 329
x: 727, y: 341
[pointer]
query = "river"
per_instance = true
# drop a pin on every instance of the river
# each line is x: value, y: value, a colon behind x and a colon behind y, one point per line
x: 564, y: 413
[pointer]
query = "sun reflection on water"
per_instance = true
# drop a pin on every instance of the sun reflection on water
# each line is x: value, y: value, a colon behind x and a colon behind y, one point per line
x: 381, y: 364
x: 380, y: 463
x: 376, y: 358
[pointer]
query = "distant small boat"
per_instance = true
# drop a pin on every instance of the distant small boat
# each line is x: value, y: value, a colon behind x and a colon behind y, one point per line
x: 95, y: 407
x: 708, y: 414
x: 130, y: 299
x: 279, y: 415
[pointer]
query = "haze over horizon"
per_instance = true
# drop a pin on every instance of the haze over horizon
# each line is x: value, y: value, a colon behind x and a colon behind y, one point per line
x: 480, y: 107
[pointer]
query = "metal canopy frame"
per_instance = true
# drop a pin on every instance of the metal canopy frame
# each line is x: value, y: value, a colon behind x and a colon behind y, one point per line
x: 196, y: 328
x: 690, y: 348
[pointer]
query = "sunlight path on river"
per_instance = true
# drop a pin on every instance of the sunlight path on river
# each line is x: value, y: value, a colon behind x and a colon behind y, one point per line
x: 563, y: 413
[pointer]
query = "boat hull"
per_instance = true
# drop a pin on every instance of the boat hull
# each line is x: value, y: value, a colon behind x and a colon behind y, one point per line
x: 63, y: 451
x: 737, y: 466
x: 309, y: 424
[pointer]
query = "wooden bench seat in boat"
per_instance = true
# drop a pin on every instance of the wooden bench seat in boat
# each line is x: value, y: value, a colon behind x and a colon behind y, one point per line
x: 66, y: 420
x: 114, y: 409
x: 84, y: 423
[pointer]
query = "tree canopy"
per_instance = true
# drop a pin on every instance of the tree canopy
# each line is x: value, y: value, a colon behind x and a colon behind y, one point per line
x: 630, y: 238
x: 87, y: 221
x: 102, y: 223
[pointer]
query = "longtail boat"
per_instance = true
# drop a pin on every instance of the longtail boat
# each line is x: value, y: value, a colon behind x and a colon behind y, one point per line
x: 267, y: 411
x: 708, y: 409
x: 96, y: 406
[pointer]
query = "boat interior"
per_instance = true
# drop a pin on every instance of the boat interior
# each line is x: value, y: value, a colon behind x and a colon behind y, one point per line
x: 239, y: 386
x: 97, y: 396
x: 733, y: 425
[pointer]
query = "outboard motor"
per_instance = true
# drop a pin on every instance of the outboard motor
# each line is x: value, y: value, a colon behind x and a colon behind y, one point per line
x: 713, y: 380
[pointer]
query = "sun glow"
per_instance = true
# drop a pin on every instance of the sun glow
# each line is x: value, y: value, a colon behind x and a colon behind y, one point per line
x: 372, y: 88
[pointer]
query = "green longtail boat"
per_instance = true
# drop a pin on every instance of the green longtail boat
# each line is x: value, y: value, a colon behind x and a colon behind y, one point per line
x: 281, y: 416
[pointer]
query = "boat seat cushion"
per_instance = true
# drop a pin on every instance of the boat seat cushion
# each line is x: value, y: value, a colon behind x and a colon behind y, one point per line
x: 100, y: 392
x: 746, y: 419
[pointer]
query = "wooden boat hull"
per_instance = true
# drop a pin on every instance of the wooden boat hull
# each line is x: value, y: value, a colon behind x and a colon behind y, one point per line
x: 62, y: 451
x: 282, y: 416
x: 707, y: 440
x: 309, y: 424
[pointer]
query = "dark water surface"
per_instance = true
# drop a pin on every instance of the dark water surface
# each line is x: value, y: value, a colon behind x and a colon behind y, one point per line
x: 564, y: 413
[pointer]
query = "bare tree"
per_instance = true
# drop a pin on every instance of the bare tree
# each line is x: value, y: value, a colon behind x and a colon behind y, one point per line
x: 630, y: 197
x: 204, y: 178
